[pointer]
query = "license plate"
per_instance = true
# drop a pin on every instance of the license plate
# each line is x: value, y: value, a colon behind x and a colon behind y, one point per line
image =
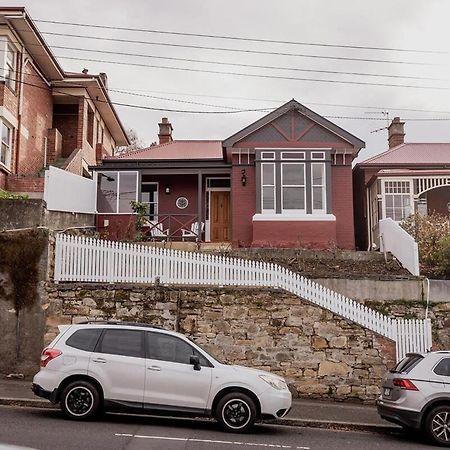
x: 387, y: 392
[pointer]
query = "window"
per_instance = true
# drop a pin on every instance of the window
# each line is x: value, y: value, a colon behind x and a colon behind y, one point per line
x: 149, y: 195
x: 268, y: 187
x: 218, y: 182
x: 397, y: 199
x: 10, y: 67
x: 293, y: 187
x: 164, y: 347
x: 5, y: 148
x: 443, y: 368
x: 115, y: 191
x: 122, y: 342
x: 294, y: 182
x: 84, y: 339
x: 318, y: 187
x: 407, y: 364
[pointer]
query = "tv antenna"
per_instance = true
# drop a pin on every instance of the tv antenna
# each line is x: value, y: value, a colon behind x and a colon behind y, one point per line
x: 385, y: 115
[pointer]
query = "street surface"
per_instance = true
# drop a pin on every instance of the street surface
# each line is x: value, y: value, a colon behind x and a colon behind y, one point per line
x: 46, y: 429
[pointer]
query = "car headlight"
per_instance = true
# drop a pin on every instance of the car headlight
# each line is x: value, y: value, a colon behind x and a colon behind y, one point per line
x: 276, y: 383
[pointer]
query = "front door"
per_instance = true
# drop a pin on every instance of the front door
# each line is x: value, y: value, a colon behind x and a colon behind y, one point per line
x: 220, y: 216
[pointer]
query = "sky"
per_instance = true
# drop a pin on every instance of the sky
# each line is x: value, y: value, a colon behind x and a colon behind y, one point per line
x: 418, y: 26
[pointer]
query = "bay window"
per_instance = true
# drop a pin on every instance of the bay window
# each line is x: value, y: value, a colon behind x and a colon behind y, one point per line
x: 293, y: 182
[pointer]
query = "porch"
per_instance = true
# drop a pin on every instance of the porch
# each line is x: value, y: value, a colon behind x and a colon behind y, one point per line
x: 181, y: 205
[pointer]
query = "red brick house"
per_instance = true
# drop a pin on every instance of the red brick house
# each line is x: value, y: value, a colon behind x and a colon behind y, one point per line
x: 405, y: 179
x: 47, y: 116
x: 283, y: 181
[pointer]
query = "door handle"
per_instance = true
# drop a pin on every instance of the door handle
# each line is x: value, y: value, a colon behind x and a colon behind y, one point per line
x: 99, y: 360
x: 155, y: 368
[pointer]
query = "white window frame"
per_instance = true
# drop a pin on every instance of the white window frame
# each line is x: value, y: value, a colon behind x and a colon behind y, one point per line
x: 8, y: 159
x: 155, y: 203
x: 282, y: 186
x: 273, y: 186
x: 10, y: 66
x: 385, y: 186
x: 323, y: 186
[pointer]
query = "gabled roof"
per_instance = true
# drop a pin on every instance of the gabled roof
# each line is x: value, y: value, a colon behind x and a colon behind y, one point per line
x: 176, y: 150
x: 412, y: 154
x: 289, y: 106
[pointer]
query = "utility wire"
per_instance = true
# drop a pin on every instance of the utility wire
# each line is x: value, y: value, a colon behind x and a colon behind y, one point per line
x: 240, y: 38
x: 227, y: 49
x: 249, y: 75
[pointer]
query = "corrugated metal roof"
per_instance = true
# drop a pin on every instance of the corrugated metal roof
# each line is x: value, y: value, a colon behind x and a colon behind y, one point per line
x: 176, y: 150
x: 414, y: 153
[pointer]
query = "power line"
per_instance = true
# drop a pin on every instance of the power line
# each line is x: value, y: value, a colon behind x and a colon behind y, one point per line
x: 227, y: 49
x: 240, y: 38
x: 276, y: 77
x: 255, y: 66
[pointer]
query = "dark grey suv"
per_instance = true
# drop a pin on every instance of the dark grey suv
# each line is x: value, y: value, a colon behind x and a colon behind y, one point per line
x: 416, y: 394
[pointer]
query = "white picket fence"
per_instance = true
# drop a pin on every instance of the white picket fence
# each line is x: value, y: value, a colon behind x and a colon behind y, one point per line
x: 92, y: 260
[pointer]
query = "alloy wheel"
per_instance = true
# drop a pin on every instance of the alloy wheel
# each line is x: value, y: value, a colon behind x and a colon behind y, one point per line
x: 79, y: 401
x: 440, y: 426
x: 236, y: 413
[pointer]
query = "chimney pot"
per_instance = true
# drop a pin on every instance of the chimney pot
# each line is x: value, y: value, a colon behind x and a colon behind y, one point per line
x: 165, y: 131
x: 396, y: 132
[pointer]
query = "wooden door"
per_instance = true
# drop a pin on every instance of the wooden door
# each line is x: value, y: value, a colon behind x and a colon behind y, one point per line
x: 220, y: 216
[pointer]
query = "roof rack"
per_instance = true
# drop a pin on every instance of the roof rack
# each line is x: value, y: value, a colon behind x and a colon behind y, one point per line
x: 118, y: 322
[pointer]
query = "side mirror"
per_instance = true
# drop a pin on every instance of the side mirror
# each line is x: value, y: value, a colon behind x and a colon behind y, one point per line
x: 195, y: 361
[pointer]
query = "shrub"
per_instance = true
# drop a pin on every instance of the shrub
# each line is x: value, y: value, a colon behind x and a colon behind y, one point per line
x: 432, y: 234
x: 11, y: 196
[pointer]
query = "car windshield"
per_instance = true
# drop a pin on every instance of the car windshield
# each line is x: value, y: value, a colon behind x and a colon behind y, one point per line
x: 407, y: 364
x: 208, y: 352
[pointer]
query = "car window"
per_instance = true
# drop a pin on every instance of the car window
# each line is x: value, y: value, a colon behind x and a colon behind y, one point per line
x: 443, y: 367
x: 407, y: 364
x: 122, y: 342
x: 164, y: 347
x: 85, y: 339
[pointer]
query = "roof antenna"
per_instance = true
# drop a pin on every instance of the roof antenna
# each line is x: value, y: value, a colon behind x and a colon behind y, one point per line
x: 385, y: 114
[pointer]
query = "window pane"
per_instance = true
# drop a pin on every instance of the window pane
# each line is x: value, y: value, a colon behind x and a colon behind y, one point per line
x: 389, y: 201
x: 317, y: 155
x: 318, y: 197
x: 443, y: 368
x: 107, y: 192
x: 268, y: 174
x: 84, y: 339
x: 122, y: 342
x: 268, y: 198
x: 294, y: 198
x: 318, y: 174
x: 127, y: 192
x: 163, y: 347
x: 293, y: 155
x: 4, y: 154
x: 293, y: 174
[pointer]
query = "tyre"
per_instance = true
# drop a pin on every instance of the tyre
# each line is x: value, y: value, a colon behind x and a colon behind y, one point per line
x: 80, y: 400
x: 236, y: 412
x: 437, y: 425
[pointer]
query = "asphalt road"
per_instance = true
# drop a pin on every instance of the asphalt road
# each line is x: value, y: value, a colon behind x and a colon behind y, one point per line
x: 46, y: 429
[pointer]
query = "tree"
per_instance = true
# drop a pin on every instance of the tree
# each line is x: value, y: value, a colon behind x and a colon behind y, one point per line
x: 135, y: 143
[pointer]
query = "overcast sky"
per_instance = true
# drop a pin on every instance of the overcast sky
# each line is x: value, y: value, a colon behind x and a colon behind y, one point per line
x: 400, y: 24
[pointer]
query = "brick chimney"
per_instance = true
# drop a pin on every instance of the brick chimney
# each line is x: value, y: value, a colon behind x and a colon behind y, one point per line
x: 396, y: 132
x: 165, y: 131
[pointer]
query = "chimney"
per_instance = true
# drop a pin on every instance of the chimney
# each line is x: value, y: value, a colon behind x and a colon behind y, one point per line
x: 396, y: 132
x: 165, y: 131
x: 104, y: 79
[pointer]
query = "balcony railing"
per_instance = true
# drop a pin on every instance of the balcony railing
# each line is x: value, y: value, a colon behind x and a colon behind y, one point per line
x: 172, y: 227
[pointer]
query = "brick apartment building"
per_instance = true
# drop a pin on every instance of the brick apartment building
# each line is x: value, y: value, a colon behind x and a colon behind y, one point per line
x: 48, y: 116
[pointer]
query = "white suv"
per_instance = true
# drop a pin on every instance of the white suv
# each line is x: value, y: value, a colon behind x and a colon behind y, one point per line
x: 140, y: 368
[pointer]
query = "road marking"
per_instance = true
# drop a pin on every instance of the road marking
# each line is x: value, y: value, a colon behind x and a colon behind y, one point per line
x: 209, y: 441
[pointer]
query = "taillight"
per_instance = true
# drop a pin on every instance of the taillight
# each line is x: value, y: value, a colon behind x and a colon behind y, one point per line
x: 48, y: 354
x: 407, y: 385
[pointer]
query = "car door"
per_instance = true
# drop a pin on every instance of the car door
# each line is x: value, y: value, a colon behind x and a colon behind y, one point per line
x: 171, y: 380
x: 440, y: 377
x: 118, y: 363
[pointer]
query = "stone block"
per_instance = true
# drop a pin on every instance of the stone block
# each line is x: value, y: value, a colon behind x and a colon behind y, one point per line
x: 328, y: 368
x: 319, y: 343
x: 338, y: 342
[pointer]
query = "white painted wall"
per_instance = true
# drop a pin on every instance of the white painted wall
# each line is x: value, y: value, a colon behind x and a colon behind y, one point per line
x: 65, y: 191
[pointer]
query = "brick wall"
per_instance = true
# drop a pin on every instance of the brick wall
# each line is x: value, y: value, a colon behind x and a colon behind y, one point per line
x: 54, y: 145
x: 65, y: 119
x: 37, y: 114
x: 2, y: 180
x: 243, y: 204
x: 342, y: 200
x: 24, y: 183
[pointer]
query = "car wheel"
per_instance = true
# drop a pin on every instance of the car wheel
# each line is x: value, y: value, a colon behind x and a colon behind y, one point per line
x: 236, y: 412
x: 80, y: 400
x: 437, y: 425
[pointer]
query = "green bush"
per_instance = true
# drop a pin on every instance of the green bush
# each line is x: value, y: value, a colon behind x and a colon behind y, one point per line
x: 11, y: 196
x: 432, y: 234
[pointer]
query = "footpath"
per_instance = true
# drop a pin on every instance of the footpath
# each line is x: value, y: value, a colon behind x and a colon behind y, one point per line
x: 304, y: 413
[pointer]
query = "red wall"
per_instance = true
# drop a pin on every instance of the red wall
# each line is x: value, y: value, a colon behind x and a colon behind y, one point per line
x: 342, y: 199
x: 121, y: 226
x: 243, y: 205
x: 437, y: 200
x: 286, y: 234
